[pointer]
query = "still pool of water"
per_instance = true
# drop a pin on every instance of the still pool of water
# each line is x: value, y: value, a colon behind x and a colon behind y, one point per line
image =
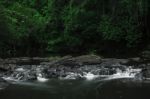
x: 78, y: 89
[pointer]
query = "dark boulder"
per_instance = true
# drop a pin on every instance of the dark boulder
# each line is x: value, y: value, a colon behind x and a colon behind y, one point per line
x: 112, y: 62
x: 145, y: 54
x: 87, y: 60
x: 146, y: 72
x: 8, y: 67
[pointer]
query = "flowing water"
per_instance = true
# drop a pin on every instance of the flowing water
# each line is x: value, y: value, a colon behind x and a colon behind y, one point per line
x: 121, y: 85
x: 78, y: 89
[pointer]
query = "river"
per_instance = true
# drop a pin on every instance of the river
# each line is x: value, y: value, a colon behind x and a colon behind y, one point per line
x: 123, y: 88
x: 107, y: 80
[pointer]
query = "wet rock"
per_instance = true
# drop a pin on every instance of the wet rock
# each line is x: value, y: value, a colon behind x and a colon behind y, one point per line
x: 7, y: 67
x: 55, y: 72
x: 2, y: 69
x: 56, y: 61
x: 113, y: 62
x: 145, y: 54
x: 146, y: 72
x: 31, y: 77
x: 24, y: 76
x: 116, y: 62
x: 134, y: 61
x: 10, y: 61
x: 70, y: 63
x: 61, y: 67
x: 25, y: 60
x: 139, y: 76
x: 43, y: 59
x: 87, y: 60
x: 1, y: 60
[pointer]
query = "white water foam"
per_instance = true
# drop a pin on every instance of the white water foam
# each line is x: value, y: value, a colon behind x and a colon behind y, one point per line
x: 10, y: 79
x: 90, y: 76
x: 41, y: 79
x: 20, y: 69
x: 129, y: 73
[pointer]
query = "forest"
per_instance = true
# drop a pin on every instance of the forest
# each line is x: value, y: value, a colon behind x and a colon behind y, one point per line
x: 74, y: 27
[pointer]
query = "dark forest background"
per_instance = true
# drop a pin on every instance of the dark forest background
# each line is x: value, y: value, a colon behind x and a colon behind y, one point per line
x: 62, y: 27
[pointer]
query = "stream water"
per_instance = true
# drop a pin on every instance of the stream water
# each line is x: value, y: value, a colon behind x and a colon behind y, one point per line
x: 121, y: 85
x: 77, y: 89
x: 122, y: 88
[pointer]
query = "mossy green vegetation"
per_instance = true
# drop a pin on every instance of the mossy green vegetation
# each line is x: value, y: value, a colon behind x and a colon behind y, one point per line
x: 42, y: 27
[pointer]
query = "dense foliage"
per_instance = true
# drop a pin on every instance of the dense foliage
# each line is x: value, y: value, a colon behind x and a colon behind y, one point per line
x: 39, y: 27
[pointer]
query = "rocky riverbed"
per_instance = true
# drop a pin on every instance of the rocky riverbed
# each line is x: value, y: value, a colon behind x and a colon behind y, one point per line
x: 68, y: 67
